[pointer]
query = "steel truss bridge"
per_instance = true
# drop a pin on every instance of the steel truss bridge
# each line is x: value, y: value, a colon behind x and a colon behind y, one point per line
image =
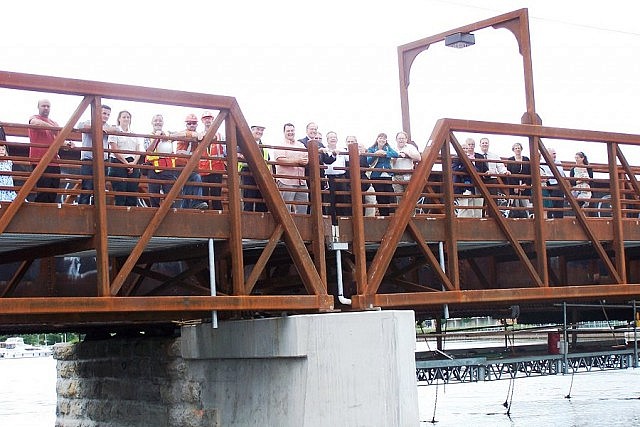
x: 483, y: 369
x: 144, y: 265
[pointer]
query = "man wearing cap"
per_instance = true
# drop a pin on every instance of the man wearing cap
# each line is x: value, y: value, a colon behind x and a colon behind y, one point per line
x: 250, y: 192
x: 186, y: 147
x: 212, y: 166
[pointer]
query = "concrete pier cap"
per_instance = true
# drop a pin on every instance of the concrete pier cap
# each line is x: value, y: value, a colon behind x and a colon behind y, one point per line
x: 340, y: 369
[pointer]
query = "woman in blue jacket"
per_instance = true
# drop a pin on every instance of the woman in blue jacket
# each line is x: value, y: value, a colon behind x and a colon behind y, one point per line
x: 380, y: 159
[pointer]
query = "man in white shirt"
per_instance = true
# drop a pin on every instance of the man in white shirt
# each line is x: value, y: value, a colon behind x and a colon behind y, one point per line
x: 493, y: 169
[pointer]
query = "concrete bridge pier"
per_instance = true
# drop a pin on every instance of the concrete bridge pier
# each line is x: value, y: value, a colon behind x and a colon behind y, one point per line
x: 338, y: 369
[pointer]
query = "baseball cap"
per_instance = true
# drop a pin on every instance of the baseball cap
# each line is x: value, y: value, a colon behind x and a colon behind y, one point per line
x: 207, y: 114
x: 257, y: 127
x: 191, y: 118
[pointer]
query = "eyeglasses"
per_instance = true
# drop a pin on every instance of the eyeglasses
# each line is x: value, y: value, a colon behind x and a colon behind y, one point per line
x: 193, y: 123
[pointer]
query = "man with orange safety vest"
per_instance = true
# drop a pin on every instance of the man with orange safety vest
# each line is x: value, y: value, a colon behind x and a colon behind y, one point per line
x: 212, y: 166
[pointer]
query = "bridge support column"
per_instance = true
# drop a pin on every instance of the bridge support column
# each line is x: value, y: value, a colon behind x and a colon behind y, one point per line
x: 306, y: 370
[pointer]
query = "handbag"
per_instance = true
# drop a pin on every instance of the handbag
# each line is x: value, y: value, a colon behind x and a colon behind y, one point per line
x: 517, y: 213
x: 372, y: 165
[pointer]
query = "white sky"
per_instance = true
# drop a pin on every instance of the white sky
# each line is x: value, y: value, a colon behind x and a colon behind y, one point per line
x: 335, y: 62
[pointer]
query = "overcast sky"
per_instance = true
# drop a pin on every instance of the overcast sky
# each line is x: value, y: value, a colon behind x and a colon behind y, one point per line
x: 335, y: 62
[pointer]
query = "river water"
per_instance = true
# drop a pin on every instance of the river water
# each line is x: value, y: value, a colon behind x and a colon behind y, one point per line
x: 28, y: 392
x: 611, y: 398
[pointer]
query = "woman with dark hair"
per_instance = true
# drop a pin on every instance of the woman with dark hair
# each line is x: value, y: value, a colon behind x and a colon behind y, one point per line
x: 380, y: 159
x: 583, y: 175
x: 520, y: 180
x: 118, y: 143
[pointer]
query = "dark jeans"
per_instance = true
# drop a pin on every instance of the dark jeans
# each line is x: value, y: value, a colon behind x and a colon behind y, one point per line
x: 192, y: 190
x: 334, y: 198
x: 155, y: 187
x: 251, y: 193
x: 556, y: 204
x: 384, y: 200
x: 87, y: 183
x: 129, y: 186
x: 214, y: 191
x: 48, y: 182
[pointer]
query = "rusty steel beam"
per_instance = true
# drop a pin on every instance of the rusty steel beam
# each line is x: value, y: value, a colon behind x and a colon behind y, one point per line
x: 235, y: 209
x: 260, y: 265
x: 100, y: 200
x: 451, y: 227
x: 526, y: 130
x: 433, y: 261
x: 57, y: 248
x: 39, y: 83
x: 616, y: 220
x: 159, y: 304
x: 539, y: 222
x: 16, y: 278
x: 505, y: 296
x: 315, y: 199
x: 358, y: 248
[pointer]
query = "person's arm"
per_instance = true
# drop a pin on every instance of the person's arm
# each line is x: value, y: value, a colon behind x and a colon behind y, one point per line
x: 391, y: 153
x: 140, y: 148
x: 37, y: 121
x: 411, y: 152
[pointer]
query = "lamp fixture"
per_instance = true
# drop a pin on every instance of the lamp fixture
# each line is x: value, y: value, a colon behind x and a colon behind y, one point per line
x: 460, y: 40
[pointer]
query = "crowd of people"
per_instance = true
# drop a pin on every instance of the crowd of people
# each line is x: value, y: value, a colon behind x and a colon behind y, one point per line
x: 385, y: 168
x: 509, y: 180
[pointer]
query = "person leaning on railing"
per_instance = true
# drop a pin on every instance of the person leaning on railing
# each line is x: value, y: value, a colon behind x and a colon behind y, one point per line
x: 291, y: 159
x: 408, y: 155
x: 583, y: 175
x: 380, y: 155
x: 129, y: 171
x: 250, y: 192
x: 211, y: 164
x: 40, y: 140
x: 159, y: 151
x: 86, y: 170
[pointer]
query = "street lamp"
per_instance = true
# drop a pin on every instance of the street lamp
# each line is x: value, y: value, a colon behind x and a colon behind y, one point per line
x: 460, y: 40
x: 517, y: 22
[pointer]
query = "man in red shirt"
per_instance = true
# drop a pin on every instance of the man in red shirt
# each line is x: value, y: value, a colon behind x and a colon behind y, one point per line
x: 40, y: 140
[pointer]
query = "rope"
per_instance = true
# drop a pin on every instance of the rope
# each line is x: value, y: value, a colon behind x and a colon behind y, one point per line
x: 435, y: 403
x: 568, y: 396
x: 604, y: 311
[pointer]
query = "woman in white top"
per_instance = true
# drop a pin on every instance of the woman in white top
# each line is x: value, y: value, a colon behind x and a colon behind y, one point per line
x: 124, y: 164
x: 583, y: 175
x: 403, y: 164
